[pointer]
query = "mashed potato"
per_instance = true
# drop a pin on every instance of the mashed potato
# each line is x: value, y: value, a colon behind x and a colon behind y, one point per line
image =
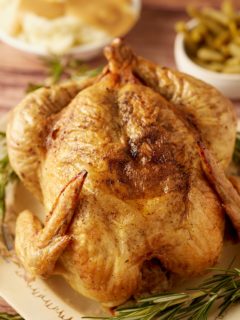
x: 58, y: 35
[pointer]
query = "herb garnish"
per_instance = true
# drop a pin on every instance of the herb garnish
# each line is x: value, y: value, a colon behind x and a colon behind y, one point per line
x: 6, y: 316
x: 236, y: 154
x: 64, y: 68
x: 194, y: 304
x: 6, y: 176
x: 6, y: 173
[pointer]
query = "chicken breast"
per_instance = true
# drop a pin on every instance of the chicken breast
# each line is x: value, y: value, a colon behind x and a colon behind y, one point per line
x: 117, y: 162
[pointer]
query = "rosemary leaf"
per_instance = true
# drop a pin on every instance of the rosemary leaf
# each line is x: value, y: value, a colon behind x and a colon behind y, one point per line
x: 6, y: 316
x: 236, y: 154
x: 56, y: 69
x: 33, y: 87
x: 6, y: 176
x: 59, y: 69
x: 194, y: 304
x: 3, y: 172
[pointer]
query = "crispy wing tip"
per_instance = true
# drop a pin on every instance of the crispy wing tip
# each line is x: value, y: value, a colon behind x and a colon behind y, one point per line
x: 227, y: 193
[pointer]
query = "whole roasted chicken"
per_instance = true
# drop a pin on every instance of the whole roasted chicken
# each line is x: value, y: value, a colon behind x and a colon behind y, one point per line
x: 130, y: 167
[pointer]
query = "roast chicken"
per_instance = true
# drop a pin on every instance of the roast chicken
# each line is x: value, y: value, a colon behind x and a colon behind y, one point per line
x: 130, y: 167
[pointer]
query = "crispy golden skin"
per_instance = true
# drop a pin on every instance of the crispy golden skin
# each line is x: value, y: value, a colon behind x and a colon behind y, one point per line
x: 145, y: 196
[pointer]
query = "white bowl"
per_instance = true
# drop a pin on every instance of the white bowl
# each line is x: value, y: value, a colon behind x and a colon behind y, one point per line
x: 84, y: 52
x: 228, y: 84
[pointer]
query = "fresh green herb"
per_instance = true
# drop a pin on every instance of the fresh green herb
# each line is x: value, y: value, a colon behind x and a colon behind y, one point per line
x: 194, y: 304
x: 6, y: 316
x: 34, y: 86
x: 6, y: 175
x: 84, y: 71
x: 56, y: 69
x: 65, y: 68
x: 236, y: 154
x: 3, y: 172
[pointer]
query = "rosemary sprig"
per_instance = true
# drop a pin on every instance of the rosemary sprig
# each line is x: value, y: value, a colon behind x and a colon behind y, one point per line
x: 56, y: 69
x: 236, y: 154
x: 193, y: 304
x: 64, y: 68
x: 34, y: 86
x: 6, y: 172
x: 6, y: 176
x: 6, y: 316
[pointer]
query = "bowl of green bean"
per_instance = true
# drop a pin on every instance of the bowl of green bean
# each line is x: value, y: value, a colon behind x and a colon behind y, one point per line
x: 208, y: 47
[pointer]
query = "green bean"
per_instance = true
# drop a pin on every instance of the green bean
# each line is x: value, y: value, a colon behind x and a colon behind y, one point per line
x: 221, y: 39
x: 237, y: 18
x: 209, y: 41
x: 234, y: 49
x: 215, y: 15
x: 191, y: 47
x: 227, y: 8
x: 207, y: 54
x: 233, y: 28
x: 181, y: 27
x: 237, y: 40
x: 231, y: 69
x: 199, y: 62
x: 198, y: 32
x: 211, y: 25
x: 193, y: 11
x: 213, y: 66
x: 224, y: 50
x: 233, y: 61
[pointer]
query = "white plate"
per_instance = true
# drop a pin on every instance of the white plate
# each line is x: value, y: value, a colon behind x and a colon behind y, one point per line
x: 54, y: 299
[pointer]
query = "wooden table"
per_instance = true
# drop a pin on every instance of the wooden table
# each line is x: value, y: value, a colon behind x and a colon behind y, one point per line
x: 152, y: 37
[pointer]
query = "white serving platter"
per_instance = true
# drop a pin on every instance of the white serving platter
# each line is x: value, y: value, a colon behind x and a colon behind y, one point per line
x: 52, y: 299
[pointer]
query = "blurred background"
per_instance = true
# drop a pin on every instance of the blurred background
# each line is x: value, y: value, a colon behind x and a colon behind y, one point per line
x: 152, y: 36
x: 181, y: 4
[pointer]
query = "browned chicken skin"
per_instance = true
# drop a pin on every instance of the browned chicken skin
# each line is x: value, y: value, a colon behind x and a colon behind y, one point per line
x: 115, y: 160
